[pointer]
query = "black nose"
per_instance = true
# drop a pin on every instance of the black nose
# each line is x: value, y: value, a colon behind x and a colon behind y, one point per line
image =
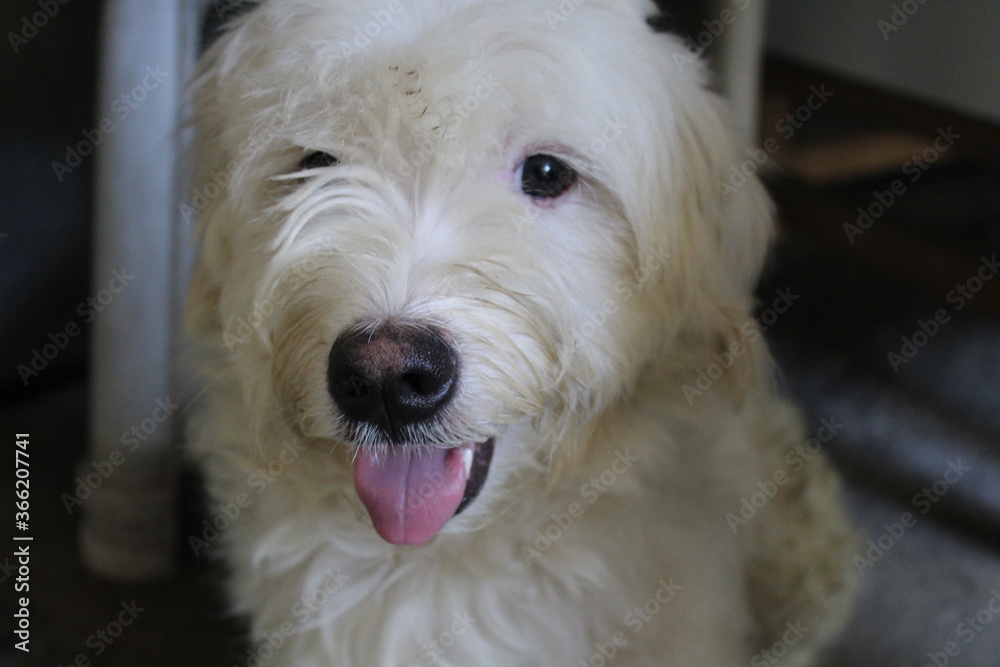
x: 392, y: 378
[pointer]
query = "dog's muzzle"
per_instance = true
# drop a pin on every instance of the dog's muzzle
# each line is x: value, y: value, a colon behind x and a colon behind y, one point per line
x: 393, y: 381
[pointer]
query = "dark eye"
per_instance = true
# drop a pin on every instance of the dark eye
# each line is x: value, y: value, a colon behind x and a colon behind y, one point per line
x: 318, y: 159
x: 545, y: 176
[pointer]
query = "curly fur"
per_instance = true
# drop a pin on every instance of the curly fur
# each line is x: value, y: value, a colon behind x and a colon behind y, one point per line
x: 578, y: 321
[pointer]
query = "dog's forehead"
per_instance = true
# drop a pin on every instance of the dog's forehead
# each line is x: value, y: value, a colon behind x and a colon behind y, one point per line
x: 451, y: 73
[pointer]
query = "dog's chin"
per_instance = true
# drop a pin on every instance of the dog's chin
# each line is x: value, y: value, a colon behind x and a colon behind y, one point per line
x: 411, y: 493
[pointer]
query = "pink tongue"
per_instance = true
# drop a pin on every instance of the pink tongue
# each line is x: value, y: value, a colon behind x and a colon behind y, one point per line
x: 409, y: 496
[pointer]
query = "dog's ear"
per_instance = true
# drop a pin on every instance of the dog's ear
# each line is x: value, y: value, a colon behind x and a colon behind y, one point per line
x: 732, y: 222
x: 209, y: 205
x: 202, y: 313
x: 714, y: 228
x: 214, y: 163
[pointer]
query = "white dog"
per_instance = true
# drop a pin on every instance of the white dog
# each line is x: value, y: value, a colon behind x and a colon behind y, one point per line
x: 483, y: 385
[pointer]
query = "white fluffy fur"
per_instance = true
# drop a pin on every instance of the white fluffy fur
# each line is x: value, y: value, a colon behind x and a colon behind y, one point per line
x: 423, y: 221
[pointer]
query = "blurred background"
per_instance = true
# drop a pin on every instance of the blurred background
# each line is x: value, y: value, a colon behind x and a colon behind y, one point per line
x: 877, y: 126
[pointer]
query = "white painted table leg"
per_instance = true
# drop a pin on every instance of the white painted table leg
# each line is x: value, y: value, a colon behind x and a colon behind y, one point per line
x: 738, y: 57
x: 129, y: 524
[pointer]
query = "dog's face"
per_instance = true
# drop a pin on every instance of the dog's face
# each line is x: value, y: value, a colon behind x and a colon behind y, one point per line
x: 446, y: 236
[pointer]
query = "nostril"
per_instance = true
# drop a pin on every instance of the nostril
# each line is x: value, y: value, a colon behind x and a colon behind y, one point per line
x: 426, y: 382
x: 355, y: 385
x: 352, y: 388
x: 423, y: 384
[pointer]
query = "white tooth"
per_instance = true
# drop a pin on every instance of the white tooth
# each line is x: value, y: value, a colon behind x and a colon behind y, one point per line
x: 467, y: 460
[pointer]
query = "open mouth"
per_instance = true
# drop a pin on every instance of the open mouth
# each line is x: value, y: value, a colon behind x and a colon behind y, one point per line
x: 477, y: 468
x: 411, y: 493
